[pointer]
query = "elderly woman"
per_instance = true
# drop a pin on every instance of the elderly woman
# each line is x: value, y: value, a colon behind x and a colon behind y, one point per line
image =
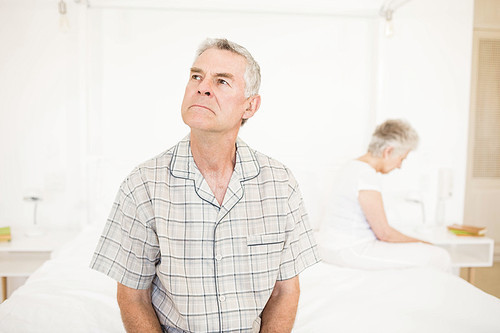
x: 356, y: 232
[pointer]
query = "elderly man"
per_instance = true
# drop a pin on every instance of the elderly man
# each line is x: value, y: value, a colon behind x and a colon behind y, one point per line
x: 209, y: 236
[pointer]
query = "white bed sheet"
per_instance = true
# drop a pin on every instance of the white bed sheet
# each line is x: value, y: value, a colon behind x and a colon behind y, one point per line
x: 64, y: 295
x: 336, y: 299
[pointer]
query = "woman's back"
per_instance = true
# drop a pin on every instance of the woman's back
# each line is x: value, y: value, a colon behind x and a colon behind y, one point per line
x: 345, y: 223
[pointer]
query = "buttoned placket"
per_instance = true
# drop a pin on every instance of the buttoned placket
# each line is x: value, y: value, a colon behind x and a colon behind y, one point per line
x: 234, y: 194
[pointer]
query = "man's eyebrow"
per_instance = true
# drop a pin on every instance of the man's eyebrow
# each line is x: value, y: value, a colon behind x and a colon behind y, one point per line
x: 196, y: 70
x: 201, y: 71
x: 226, y: 75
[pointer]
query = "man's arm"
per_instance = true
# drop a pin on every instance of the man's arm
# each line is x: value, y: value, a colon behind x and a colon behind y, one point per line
x: 373, y: 207
x: 137, y: 310
x: 279, y: 313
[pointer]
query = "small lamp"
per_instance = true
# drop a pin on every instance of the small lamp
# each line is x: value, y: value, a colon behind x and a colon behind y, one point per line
x: 389, y: 25
x: 387, y: 12
x: 35, y: 230
x: 63, y: 18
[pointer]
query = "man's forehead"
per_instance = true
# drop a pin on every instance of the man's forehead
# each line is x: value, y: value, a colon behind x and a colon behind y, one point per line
x: 220, y: 61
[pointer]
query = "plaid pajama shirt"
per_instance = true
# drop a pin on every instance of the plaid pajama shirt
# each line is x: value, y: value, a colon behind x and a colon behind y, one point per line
x: 212, y: 267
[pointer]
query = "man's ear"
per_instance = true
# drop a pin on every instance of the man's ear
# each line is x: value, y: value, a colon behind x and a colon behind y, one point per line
x: 387, y: 152
x: 253, y: 106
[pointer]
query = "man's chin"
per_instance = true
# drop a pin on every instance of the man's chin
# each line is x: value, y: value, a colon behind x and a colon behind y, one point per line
x: 199, y: 123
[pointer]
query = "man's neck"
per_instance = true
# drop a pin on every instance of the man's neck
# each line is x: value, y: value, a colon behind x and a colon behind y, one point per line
x: 213, y: 152
x: 215, y: 157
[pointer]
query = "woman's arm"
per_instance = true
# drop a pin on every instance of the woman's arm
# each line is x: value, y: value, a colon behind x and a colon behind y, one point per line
x: 137, y: 310
x: 373, y: 207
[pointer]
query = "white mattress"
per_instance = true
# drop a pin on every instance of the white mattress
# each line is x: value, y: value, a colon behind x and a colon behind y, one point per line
x: 64, y: 295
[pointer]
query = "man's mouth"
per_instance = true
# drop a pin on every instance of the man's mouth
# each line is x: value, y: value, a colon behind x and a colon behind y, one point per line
x: 201, y: 106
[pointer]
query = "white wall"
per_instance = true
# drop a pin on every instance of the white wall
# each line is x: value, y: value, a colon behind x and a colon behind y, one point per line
x: 40, y: 141
x: 78, y: 111
x: 316, y: 91
x: 424, y: 76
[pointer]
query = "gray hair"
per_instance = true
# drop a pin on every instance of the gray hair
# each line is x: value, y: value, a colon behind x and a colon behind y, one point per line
x: 252, y: 71
x: 394, y: 133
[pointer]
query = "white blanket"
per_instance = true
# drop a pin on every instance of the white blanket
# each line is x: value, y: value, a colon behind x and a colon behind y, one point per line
x: 64, y: 295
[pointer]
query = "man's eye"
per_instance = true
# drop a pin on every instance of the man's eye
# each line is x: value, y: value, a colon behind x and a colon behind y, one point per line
x: 221, y: 81
x: 196, y: 77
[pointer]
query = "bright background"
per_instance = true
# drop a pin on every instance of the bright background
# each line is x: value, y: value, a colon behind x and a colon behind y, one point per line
x: 80, y: 109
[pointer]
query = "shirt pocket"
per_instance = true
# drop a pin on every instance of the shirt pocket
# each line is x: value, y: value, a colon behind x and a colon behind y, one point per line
x: 264, y: 259
x: 266, y: 249
x: 265, y: 239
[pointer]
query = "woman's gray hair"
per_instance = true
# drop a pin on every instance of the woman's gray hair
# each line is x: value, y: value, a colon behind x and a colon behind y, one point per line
x: 394, y: 133
x: 252, y: 71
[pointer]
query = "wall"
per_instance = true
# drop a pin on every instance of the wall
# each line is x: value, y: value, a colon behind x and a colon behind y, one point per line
x: 40, y: 131
x: 316, y: 92
x: 424, y: 76
x: 80, y: 110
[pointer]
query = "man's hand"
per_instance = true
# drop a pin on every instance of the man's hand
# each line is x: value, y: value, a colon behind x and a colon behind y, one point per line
x: 137, y: 310
x: 279, y: 313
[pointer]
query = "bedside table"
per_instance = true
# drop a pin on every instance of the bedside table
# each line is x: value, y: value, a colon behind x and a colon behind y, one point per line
x: 23, y: 255
x: 465, y: 252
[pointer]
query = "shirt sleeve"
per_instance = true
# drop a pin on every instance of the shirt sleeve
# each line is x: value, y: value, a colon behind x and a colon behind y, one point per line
x: 128, y: 248
x: 300, y: 250
x: 369, y: 179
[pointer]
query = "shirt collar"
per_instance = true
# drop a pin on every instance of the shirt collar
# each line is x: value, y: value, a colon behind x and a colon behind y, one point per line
x: 183, y: 166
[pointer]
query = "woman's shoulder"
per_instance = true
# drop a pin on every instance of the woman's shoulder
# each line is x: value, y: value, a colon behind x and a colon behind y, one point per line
x: 357, y: 168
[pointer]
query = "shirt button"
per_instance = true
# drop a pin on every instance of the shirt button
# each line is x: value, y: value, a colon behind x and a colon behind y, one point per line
x: 222, y: 298
x: 218, y: 257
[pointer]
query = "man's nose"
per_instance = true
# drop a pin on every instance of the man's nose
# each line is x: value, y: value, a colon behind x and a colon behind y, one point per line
x: 204, y: 88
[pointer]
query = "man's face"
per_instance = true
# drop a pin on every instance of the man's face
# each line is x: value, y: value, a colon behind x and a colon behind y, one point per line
x: 214, y: 99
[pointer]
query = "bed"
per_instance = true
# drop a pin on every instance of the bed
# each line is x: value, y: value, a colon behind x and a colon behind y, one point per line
x: 64, y: 295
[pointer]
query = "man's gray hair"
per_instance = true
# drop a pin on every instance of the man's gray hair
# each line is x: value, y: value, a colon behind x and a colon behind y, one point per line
x: 252, y: 71
x: 394, y: 133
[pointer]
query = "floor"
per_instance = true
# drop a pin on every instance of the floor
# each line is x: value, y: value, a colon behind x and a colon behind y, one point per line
x: 486, y: 278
